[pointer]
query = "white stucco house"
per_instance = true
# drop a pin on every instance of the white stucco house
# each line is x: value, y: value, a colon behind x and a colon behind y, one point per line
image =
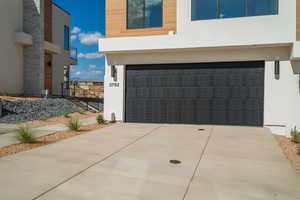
x: 203, y: 62
x: 35, y: 48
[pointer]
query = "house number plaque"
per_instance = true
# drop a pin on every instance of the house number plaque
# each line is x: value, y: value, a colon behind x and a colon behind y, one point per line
x: 114, y: 84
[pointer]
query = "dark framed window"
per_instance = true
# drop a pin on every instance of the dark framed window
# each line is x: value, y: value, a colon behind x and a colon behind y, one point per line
x: 262, y: 7
x: 144, y: 13
x: 232, y: 8
x: 67, y: 38
x: 215, y: 9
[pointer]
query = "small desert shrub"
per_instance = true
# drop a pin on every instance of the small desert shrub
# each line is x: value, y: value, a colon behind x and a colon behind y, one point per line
x: 67, y: 115
x: 44, y: 118
x: 100, y: 119
x: 82, y: 113
x: 26, y: 135
x: 74, y: 125
x: 295, y: 135
x: 298, y: 149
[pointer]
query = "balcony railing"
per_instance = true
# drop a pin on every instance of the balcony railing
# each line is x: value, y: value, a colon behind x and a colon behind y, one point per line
x: 73, y: 54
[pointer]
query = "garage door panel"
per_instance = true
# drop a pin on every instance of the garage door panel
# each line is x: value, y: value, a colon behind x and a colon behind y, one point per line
x: 188, y: 111
x: 190, y: 92
x: 220, y: 80
x: 163, y: 111
x: 189, y: 80
x: 219, y: 104
x: 253, y: 79
x: 235, y: 104
x: 219, y: 117
x: 253, y: 118
x: 156, y: 108
x: 222, y: 92
x: 239, y: 92
x: 254, y: 104
x: 143, y: 93
x: 140, y: 81
x: 255, y: 91
x: 235, y: 117
x: 236, y: 79
x: 203, y: 111
x: 141, y: 110
x: 205, y: 92
x: 203, y: 117
x: 131, y: 92
x: 211, y: 93
x: 156, y: 81
x: 203, y: 80
x: 156, y: 92
x: 173, y: 116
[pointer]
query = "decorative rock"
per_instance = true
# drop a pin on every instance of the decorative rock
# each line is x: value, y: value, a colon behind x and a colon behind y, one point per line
x: 21, y: 111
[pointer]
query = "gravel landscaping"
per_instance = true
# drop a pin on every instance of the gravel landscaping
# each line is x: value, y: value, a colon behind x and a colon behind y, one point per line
x: 289, y: 149
x: 41, y: 109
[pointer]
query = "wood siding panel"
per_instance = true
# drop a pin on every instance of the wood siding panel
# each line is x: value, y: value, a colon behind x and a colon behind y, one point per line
x: 116, y: 20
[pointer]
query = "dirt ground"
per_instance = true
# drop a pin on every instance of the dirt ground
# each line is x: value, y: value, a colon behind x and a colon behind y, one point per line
x: 60, y: 119
x: 11, y: 98
x: 45, y: 140
x: 289, y: 149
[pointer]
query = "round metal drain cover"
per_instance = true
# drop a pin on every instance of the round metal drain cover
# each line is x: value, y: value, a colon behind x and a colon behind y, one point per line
x: 175, y: 162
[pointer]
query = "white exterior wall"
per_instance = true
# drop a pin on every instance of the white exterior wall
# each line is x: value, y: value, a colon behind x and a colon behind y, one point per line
x: 11, y: 54
x: 59, y: 20
x: 282, y: 99
x: 114, y: 97
x: 279, y: 28
x: 266, y: 30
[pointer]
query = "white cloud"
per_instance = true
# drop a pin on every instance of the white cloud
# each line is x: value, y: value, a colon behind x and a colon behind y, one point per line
x: 73, y: 37
x: 89, y: 38
x: 76, y: 30
x: 92, y: 66
x: 89, y: 73
x: 90, y: 55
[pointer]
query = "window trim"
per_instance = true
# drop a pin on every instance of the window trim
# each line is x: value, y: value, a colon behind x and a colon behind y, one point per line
x: 218, y: 12
x: 162, y: 17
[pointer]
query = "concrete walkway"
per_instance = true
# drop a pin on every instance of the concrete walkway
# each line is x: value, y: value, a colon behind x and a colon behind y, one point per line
x: 8, y: 131
x: 131, y: 162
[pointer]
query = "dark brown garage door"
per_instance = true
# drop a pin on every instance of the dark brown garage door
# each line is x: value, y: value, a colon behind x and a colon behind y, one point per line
x: 205, y: 93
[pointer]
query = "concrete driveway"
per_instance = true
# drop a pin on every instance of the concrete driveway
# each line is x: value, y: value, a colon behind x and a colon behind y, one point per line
x: 131, y: 162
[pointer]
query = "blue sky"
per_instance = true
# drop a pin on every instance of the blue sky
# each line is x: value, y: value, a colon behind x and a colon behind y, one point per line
x: 87, y: 25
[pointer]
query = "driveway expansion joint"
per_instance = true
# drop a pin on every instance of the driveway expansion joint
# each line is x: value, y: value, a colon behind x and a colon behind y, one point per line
x: 198, y: 163
x: 96, y: 163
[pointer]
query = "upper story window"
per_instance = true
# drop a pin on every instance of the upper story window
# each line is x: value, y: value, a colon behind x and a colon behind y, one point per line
x: 67, y: 38
x: 214, y: 9
x: 144, y: 13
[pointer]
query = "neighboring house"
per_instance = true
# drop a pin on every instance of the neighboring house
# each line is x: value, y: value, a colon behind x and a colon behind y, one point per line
x: 35, y: 47
x: 91, y: 88
x: 91, y: 82
x: 222, y: 62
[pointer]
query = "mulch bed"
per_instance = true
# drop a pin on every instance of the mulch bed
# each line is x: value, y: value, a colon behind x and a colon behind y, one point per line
x: 289, y: 149
x: 49, y: 139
